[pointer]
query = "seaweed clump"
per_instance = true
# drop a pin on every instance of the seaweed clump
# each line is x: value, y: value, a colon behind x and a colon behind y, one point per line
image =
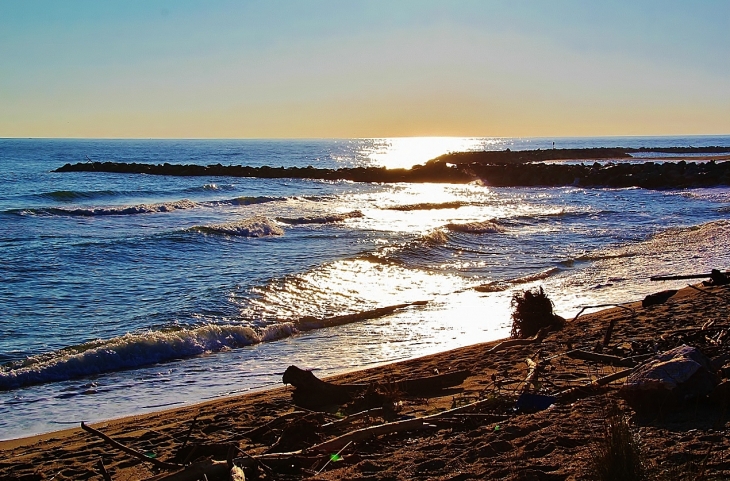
x: 532, y: 313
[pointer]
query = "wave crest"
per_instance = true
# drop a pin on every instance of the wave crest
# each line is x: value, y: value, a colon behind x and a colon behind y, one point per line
x: 499, y: 286
x: 119, y: 210
x: 484, y: 227
x: 326, y: 219
x: 429, y: 206
x: 258, y: 226
x: 245, y: 200
x: 126, y: 352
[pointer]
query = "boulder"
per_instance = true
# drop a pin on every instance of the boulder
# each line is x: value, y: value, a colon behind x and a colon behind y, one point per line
x: 669, y: 380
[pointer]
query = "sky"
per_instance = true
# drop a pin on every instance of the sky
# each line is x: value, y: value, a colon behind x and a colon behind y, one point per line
x: 321, y: 69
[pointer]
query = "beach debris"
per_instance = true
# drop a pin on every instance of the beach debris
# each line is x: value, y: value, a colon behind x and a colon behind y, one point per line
x: 187, y: 435
x: 717, y: 278
x: 658, y: 298
x: 257, y: 433
x: 102, y: 470
x: 532, y: 312
x: 132, y: 452
x: 298, y: 434
x: 573, y: 394
x: 352, y: 418
x: 237, y: 474
x: 533, y: 373
x: 620, y: 306
x: 670, y: 379
x: 531, y: 403
x: 601, y: 358
x: 312, y: 393
x: 715, y: 272
x: 537, y: 338
x: 309, y: 323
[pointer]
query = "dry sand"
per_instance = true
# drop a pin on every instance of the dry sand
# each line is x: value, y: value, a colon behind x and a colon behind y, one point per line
x: 554, y: 444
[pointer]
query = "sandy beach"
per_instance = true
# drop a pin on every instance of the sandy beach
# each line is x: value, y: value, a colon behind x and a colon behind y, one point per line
x: 491, y: 442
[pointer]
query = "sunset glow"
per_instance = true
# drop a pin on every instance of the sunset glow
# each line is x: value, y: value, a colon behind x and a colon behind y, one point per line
x: 324, y: 69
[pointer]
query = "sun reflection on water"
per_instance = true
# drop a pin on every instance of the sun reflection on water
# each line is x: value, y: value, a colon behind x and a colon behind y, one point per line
x: 405, y: 152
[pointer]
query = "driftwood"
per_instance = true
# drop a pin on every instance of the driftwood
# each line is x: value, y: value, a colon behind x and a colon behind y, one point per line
x: 679, y: 278
x: 537, y: 338
x: 352, y: 418
x: 602, y: 358
x: 130, y: 451
x: 195, y: 472
x: 609, y: 333
x: 424, y: 422
x: 533, y: 372
x: 257, y: 432
x: 237, y: 474
x: 311, y: 392
x: 578, y: 392
x: 620, y: 306
x: 102, y: 469
x: 309, y: 323
x: 187, y: 436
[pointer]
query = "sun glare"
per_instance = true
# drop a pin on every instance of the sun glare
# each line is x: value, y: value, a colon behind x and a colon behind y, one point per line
x: 405, y: 152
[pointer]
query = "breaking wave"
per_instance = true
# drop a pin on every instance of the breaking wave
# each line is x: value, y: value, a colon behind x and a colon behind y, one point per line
x: 436, y: 237
x: 429, y: 206
x: 499, y: 286
x: 132, y: 351
x: 245, y: 200
x: 211, y: 188
x: 105, y: 211
x: 258, y: 226
x: 484, y: 227
x: 326, y: 219
x: 142, y: 349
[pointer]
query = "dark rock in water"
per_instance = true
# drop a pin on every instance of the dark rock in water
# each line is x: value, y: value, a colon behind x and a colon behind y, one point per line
x: 498, y: 169
x: 658, y: 298
x: 669, y: 380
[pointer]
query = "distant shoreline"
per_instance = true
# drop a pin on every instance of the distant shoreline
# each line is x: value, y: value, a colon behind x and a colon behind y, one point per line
x: 525, y: 168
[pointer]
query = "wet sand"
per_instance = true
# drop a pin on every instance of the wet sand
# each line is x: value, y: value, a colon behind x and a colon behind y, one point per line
x: 493, y: 443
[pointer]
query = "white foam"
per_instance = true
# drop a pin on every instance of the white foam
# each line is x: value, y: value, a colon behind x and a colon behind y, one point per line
x: 258, y: 226
x: 129, y: 351
x: 484, y: 227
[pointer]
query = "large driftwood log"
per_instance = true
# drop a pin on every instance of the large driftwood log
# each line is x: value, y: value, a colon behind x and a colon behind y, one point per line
x: 311, y: 392
x: 309, y: 323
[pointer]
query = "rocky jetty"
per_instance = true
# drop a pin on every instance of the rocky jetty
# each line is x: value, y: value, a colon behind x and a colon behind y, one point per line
x: 502, y: 168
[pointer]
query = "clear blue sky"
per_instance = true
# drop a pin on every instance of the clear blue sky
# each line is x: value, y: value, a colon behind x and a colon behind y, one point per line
x: 363, y: 68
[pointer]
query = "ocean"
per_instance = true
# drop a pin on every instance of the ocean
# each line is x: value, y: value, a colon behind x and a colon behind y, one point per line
x: 122, y: 294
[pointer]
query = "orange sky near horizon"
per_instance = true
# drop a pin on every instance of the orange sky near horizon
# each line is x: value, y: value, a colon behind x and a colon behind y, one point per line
x: 320, y: 69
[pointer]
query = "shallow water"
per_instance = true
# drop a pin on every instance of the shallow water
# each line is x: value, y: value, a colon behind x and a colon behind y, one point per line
x: 128, y: 293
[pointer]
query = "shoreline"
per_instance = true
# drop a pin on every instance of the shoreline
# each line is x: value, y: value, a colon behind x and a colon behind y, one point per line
x: 567, y: 429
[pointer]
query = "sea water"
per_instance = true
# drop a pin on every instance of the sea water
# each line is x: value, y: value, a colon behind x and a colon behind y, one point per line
x: 122, y: 294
